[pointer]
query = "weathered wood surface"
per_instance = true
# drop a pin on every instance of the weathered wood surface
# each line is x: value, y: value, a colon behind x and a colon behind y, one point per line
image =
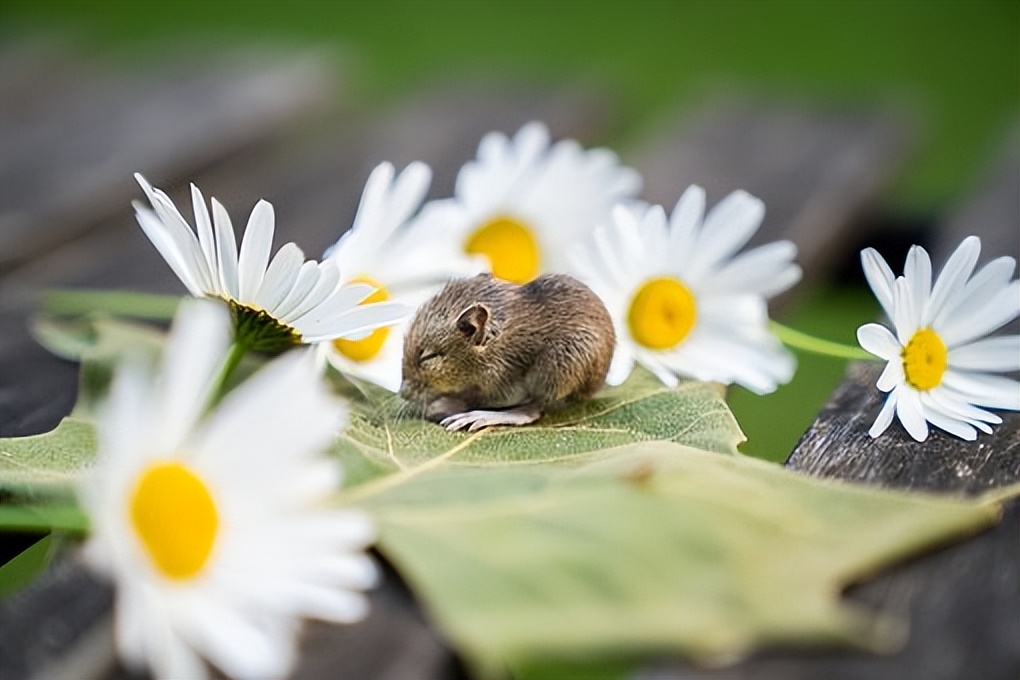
x: 820, y: 171
x: 963, y: 602
x: 815, y: 189
x: 97, y: 126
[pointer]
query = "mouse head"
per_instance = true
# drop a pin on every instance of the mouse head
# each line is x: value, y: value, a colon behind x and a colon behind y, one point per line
x: 444, y: 348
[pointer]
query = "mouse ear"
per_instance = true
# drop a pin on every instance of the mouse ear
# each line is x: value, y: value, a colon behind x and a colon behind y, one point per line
x: 472, y: 322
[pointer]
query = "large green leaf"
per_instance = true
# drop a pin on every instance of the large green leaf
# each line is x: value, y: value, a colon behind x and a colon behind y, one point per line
x: 648, y: 547
x: 384, y: 439
x: 622, y: 525
x: 44, y: 467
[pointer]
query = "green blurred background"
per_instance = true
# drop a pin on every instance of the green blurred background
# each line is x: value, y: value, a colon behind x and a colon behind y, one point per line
x: 954, y: 65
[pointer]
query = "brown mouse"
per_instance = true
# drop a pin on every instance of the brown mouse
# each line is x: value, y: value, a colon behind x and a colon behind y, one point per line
x: 484, y: 351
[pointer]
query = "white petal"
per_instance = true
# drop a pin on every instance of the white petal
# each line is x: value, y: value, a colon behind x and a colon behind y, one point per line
x: 727, y: 228
x: 917, y: 272
x: 178, y: 229
x: 999, y: 354
x: 621, y: 366
x: 905, y: 316
x: 344, y: 298
x: 892, y: 375
x: 191, y: 362
x: 306, y: 279
x: 281, y: 275
x: 684, y: 224
x: 951, y: 425
x: 878, y: 340
x: 205, y: 236
x: 767, y: 271
x: 226, y: 250
x: 650, y: 361
x: 986, y: 283
x: 954, y: 403
x: 911, y: 413
x: 325, y: 286
x: 361, y: 318
x: 984, y: 318
x: 278, y: 416
x: 235, y: 644
x: 881, y: 279
x: 255, y: 248
x: 952, y: 278
x: 885, y: 416
x: 992, y: 391
x: 170, y: 249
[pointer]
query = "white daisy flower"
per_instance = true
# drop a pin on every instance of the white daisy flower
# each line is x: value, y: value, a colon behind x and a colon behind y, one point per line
x: 274, y: 304
x: 213, y: 526
x: 523, y: 202
x: 940, y: 362
x: 386, y: 249
x: 682, y: 302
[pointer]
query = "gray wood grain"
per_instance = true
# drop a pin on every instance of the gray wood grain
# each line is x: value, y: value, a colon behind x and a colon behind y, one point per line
x: 818, y: 169
x: 71, y: 130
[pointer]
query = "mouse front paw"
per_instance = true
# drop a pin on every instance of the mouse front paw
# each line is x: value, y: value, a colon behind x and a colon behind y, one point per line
x: 473, y: 421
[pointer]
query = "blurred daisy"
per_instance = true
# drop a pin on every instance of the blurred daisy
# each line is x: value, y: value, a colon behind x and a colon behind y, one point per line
x: 213, y: 527
x: 940, y: 362
x: 684, y: 304
x: 275, y: 304
x: 387, y: 250
x: 522, y: 202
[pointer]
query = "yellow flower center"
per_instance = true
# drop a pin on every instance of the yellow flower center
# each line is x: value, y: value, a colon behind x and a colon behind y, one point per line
x: 510, y: 246
x: 662, y: 313
x: 925, y: 359
x: 368, y: 347
x: 175, y: 517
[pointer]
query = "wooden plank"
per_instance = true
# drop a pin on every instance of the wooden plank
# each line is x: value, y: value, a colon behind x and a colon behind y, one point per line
x: 72, y: 132
x: 818, y: 169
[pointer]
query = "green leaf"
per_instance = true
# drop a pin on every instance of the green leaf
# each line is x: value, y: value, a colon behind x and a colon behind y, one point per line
x: 627, y: 524
x: 74, y: 303
x: 649, y: 547
x: 45, y: 467
x: 385, y: 438
x: 42, y: 518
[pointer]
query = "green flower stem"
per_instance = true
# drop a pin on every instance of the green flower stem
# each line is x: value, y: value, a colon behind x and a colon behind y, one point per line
x: 808, y: 343
x: 75, y: 303
x: 237, y: 352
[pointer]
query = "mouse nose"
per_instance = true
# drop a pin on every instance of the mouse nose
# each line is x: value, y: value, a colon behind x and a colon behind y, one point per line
x: 405, y: 389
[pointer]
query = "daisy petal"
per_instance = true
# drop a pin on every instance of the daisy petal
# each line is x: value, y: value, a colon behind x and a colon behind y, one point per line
x: 951, y: 425
x: 992, y: 391
x: 881, y: 279
x: 728, y: 227
x: 998, y: 354
x: 878, y: 340
x: 917, y: 272
x: 201, y: 335
x: 911, y: 413
x: 952, y: 278
x: 892, y: 375
x: 620, y: 367
x: 169, y: 249
x: 205, y: 235
x: 885, y: 416
x: 226, y: 250
x: 984, y: 318
x: 280, y: 277
x: 255, y: 248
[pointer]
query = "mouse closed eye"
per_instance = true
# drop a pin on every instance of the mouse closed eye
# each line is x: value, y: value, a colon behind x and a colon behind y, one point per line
x: 486, y: 352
